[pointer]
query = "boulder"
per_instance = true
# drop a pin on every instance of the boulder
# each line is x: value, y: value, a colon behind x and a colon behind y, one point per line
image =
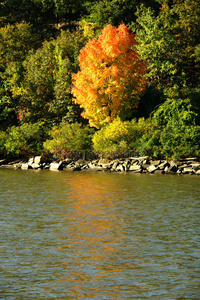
x: 120, y: 168
x: 25, y: 166
x: 115, y: 164
x: 55, y: 166
x: 171, y: 169
x: 135, y: 168
x: 163, y: 165
x: 38, y: 159
x: 196, y: 166
x: 152, y: 168
x: 31, y: 160
x: 36, y: 166
x: 94, y: 167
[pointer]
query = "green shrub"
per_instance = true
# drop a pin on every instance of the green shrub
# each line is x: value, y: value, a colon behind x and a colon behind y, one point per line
x: 67, y: 139
x: 119, y: 137
x: 112, y: 138
x: 179, y: 135
x: 24, y: 140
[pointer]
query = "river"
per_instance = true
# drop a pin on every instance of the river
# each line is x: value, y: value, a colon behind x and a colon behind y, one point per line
x: 84, y: 235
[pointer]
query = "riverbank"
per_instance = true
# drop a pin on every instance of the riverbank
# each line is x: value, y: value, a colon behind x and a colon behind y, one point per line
x: 130, y: 164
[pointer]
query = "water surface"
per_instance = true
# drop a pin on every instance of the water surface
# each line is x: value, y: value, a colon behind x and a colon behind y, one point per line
x: 81, y: 235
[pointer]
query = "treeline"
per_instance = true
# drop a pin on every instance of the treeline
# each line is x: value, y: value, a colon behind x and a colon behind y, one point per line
x: 105, y: 76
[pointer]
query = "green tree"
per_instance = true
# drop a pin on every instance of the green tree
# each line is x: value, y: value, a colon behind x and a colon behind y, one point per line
x: 115, y: 12
x: 169, y: 43
x: 46, y: 93
x: 15, y: 42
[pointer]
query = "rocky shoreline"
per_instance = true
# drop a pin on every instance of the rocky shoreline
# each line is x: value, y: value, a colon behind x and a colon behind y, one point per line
x: 131, y: 164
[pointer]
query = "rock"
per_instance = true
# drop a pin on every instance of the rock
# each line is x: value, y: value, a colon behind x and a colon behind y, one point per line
x: 115, y: 164
x: 155, y: 162
x: 188, y: 170
x: 55, y: 166
x: 3, y: 161
x: 94, y: 167
x: 163, y: 165
x: 25, y: 166
x: 81, y: 162
x: 119, y: 168
x: 31, y: 160
x: 38, y: 159
x: 36, y: 166
x: 17, y: 166
x: 159, y: 171
x: 151, y: 168
x: 171, y: 169
x: 196, y: 166
x: 135, y: 168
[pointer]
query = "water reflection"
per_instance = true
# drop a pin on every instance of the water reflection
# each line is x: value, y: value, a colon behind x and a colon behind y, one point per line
x: 99, y: 236
x: 93, y: 239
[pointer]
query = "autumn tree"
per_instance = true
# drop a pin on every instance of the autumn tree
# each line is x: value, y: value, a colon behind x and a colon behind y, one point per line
x: 110, y: 79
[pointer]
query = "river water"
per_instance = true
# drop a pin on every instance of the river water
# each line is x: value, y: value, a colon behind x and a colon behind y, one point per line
x: 81, y: 235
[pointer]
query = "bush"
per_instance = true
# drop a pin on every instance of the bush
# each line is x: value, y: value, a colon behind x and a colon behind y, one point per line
x: 24, y: 140
x: 112, y: 138
x: 179, y: 135
x: 67, y: 139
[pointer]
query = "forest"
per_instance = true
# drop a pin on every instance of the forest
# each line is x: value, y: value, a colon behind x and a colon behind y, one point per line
x: 108, y: 77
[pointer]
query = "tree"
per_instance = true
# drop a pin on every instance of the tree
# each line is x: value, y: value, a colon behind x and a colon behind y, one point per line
x: 46, y: 89
x: 169, y: 43
x: 110, y: 79
x: 115, y: 12
x: 15, y: 42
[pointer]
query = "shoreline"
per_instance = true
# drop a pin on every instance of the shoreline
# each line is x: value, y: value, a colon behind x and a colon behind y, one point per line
x: 131, y: 164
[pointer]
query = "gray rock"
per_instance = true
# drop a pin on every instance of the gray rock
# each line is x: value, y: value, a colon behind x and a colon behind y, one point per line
x: 115, y: 164
x: 196, y: 166
x: 135, y: 168
x: 25, y: 166
x: 119, y: 168
x: 55, y: 166
x: 94, y: 167
x: 155, y: 162
x: 152, y: 168
x: 163, y: 165
x: 36, y: 166
x: 171, y: 169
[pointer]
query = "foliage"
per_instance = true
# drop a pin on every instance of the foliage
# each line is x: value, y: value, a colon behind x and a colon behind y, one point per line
x: 24, y: 140
x: 69, y: 138
x: 15, y: 42
x: 179, y: 135
x: 119, y: 136
x: 46, y: 93
x: 168, y: 43
x: 115, y: 12
x: 111, y: 137
x: 110, y: 85
x: 3, y: 137
x: 44, y: 15
x: 89, y: 30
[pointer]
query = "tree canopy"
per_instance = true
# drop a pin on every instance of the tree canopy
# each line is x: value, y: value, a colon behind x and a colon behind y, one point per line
x: 111, y: 78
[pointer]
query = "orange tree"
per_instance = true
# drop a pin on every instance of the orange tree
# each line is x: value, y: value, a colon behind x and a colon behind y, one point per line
x: 111, y: 77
